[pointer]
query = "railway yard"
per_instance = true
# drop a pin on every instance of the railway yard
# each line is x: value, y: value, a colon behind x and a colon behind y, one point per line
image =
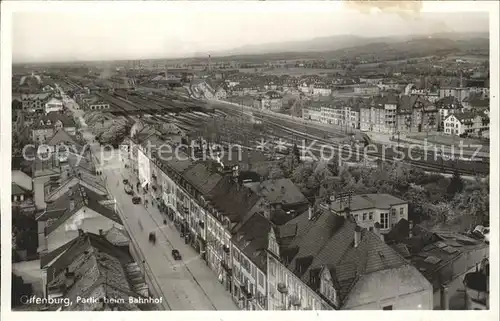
x: 228, y: 124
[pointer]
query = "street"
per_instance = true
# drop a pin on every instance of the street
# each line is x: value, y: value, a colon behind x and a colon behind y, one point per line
x: 187, y: 284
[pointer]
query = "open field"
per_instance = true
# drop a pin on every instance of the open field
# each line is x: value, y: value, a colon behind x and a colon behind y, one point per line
x: 477, y: 59
x: 294, y: 71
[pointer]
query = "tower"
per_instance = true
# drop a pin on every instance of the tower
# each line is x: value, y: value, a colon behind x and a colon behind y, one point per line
x: 209, y: 62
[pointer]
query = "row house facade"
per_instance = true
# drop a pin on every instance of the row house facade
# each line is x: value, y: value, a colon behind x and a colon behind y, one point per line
x: 380, y: 115
x: 315, y: 263
x: 312, y: 112
x: 322, y: 90
x: 392, y: 114
x: 35, y: 102
x: 416, y: 114
x: 271, y: 100
x: 195, y: 206
x: 286, y: 291
x: 249, y: 243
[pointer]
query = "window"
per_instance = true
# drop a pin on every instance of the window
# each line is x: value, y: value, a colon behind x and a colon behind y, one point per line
x: 401, y: 211
x: 388, y: 307
x: 261, y: 279
x: 356, y: 217
x: 384, y: 220
x: 393, y: 212
x: 364, y: 216
x: 272, y: 268
x: 370, y: 216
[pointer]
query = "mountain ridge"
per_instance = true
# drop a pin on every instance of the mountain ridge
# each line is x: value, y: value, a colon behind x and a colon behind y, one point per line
x: 334, y: 43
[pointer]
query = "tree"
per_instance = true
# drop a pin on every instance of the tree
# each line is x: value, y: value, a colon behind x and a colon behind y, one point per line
x: 455, y: 186
x: 275, y: 172
x: 474, y: 201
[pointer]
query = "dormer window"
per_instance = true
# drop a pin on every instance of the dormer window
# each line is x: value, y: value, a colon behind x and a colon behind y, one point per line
x: 326, y: 286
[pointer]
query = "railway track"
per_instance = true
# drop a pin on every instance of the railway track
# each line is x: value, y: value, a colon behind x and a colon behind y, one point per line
x: 416, y: 157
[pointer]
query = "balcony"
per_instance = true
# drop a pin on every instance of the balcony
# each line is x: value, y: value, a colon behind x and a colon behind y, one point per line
x: 226, y: 267
x: 282, y: 288
x: 247, y: 295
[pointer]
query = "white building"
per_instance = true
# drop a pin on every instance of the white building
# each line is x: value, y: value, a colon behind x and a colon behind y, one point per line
x: 321, y: 90
x: 368, y: 209
x: 143, y: 165
x: 466, y: 123
x: 53, y: 105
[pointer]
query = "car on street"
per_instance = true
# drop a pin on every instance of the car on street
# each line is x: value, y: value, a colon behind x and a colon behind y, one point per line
x: 136, y: 200
x: 125, y: 181
x: 128, y: 189
x: 176, y: 255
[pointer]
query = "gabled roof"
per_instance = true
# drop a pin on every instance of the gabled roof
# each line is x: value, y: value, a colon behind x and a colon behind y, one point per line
x: 53, y: 117
x: 232, y: 200
x: 62, y: 137
x: 94, y: 263
x: 202, y: 178
x: 251, y: 239
x: 18, y: 190
x: 327, y: 241
x: 82, y: 197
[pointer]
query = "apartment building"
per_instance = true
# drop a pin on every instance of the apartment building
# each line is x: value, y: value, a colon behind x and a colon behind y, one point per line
x: 47, y: 125
x: 380, y: 115
x: 312, y: 112
x: 321, y: 89
x: 249, y: 265
x: 467, y: 123
x: 77, y: 209
x: 324, y: 261
x: 35, y: 102
x: 416, y: 114
x: 368, y: 90
x: 271, y: 100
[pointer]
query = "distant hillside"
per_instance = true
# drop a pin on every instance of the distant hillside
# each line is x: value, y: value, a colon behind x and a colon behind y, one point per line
x: 338, y: 47
x: 413, y: 48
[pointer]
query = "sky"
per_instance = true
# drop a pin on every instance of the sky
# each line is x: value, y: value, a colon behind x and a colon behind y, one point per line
x: 108, y: 34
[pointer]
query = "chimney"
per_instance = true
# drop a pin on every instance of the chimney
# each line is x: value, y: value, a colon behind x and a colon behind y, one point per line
x: 310, y: 212
x: 80, y: 232
x: 376, y: 229
x: 282, y: 189
x: 410, y: 229
x: 101, y: 232
x: 357, y: 236
x: 71, y: 204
